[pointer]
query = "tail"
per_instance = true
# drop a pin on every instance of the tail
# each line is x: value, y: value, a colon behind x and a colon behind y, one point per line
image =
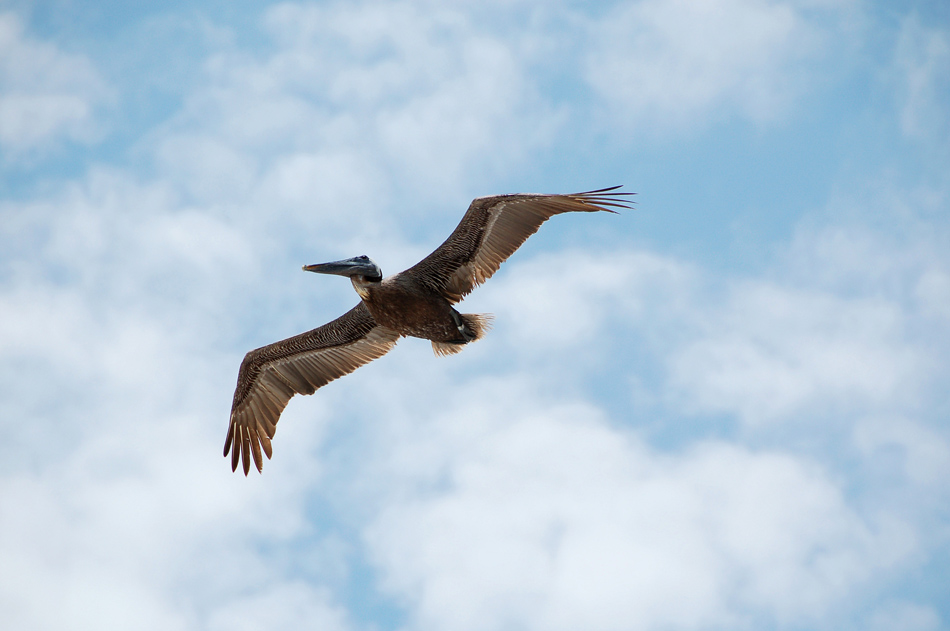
x: 476, y: 325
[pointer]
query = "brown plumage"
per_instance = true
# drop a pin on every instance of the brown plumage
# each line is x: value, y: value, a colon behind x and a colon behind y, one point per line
x: 416, y: 303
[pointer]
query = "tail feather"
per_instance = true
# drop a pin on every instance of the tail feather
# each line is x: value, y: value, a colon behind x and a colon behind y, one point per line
x: 477, y: 323
x: 444, y: 348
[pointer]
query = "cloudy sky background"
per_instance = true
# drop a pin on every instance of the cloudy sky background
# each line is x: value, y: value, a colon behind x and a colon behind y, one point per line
x: 725, y: 409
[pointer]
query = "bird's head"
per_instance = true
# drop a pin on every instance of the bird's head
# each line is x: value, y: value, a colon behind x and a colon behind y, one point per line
x: 358, y: 268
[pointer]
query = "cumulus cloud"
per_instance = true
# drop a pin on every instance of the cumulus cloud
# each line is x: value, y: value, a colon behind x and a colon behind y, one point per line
x: 45, y: 94
x: 840, y: 327
x: 773, y: 352
x: 284, y: 607
x: 667, y: 62
x: 569, y: 521
x: 112, y: 351
x: 554, y: 299
x: 550, y: 519
x: 850, y: 320
x: 357, y: 101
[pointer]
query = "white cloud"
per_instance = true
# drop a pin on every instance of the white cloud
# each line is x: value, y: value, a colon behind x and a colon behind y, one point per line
x: 673, y: 62
x: 368, y: 98
x: 555, y: 302
x: 45, y: 94
x: 846, y: 323
x: 288, y: 607
x: 850, y: 320
x: 549, y: 519
x: 115, y: 310
x: 774, y: 353
x: 513, y: 506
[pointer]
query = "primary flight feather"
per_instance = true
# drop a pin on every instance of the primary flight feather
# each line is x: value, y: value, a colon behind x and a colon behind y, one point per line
x: 416, y: 302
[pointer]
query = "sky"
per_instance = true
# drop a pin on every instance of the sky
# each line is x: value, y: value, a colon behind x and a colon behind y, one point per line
x: 726, y: 408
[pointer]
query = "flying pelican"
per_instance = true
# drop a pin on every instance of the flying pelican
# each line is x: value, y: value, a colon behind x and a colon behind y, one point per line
x: 416, y: 303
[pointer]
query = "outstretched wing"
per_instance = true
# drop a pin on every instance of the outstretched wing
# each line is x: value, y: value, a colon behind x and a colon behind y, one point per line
x: 271, y: 375
x: 492, y: 229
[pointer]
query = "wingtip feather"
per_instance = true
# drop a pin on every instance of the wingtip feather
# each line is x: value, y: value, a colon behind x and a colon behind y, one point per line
x: 227, y: 441
x: 245, y: 451
x: 256, y: 451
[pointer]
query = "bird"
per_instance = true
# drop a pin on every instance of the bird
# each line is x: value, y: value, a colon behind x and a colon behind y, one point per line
x: 416, y: 302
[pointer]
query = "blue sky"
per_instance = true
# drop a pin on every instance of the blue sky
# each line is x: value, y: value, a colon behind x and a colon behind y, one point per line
x: 724, y: 409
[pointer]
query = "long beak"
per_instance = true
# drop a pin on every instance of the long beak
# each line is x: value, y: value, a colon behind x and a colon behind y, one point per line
x: 356, y: 266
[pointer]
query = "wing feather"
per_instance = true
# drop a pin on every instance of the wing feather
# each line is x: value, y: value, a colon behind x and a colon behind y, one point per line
x: 271, y: 375
x: 492, y: 229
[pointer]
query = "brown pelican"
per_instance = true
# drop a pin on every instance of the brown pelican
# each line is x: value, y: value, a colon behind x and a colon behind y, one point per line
x: 416, y: 303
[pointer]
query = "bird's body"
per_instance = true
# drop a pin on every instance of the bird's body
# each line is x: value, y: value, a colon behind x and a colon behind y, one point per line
x: 414, y: 303
x: 406, y: 306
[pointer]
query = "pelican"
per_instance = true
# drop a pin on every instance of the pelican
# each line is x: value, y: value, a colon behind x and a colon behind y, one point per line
x: 415, y: 303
